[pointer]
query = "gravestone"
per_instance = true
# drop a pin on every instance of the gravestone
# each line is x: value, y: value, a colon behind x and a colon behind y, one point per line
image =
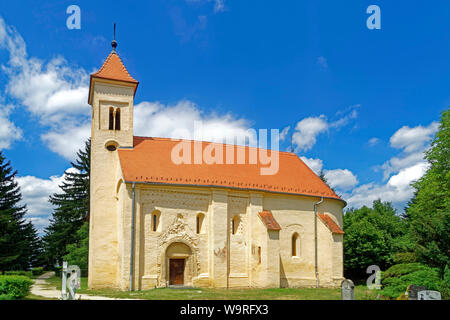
x: 347, y: 290
x: 428, y: 295
x: 413, y: 290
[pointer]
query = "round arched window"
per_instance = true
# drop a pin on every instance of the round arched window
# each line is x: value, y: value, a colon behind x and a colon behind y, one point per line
x: 111, y: 146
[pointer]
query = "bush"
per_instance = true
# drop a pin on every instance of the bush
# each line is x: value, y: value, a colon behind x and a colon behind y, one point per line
x: 37, y: 271
x: 445, y: 284
x: 18, y: 273
x: 396, y: 279
x: 14, y: 287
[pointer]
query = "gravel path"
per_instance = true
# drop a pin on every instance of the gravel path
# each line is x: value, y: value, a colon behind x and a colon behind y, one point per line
x: 39, y: 288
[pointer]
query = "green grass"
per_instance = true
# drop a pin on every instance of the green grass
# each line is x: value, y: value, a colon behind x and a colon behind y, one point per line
x: 361, y: 293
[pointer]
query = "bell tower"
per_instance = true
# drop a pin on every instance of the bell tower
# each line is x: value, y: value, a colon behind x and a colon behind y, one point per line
x: 111, y: 95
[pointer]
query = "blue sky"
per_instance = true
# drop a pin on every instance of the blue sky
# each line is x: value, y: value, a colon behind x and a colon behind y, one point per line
x: 360, y: 104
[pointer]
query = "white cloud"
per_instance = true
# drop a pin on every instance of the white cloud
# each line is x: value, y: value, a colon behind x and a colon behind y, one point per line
x: 315, y: 165
x: 413, y: 142
x: 397, y: 190
x: 178, y: 121
x: 54, y: 92
x: 307, y: 130
x: 284, y: 132
x: 413, y: 139
x: 35, y: 194
x: 67, y: 140
x: 8, y: 131
x: 399, y: 171
x: 342, y: 179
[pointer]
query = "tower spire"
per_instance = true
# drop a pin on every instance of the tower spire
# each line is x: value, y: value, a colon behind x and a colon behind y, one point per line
x: 114, y: 42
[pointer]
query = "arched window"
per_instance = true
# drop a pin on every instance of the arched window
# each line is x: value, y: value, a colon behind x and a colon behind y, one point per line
x: 155, y: 220
x: 111, y: 118
x: 295, y: 245
x: 117, y: 127
x: 235, y: 224
x: 199, y: 222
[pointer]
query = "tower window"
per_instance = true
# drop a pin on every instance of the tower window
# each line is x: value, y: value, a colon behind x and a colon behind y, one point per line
x: 111, y: 118
x: 117, y: 127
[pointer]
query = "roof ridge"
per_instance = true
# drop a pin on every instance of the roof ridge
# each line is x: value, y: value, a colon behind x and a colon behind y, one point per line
x: 204, y: 141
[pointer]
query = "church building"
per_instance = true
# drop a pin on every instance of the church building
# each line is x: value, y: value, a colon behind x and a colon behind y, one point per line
x: 156, y: 223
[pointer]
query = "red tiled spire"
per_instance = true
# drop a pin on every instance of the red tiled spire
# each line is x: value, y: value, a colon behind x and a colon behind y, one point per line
x: 114, y: 69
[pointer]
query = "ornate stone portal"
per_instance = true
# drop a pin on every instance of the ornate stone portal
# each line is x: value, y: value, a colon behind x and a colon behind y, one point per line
x: 172, y: 244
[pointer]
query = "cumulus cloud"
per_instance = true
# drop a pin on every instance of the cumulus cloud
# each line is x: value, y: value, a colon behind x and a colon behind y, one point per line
x: 315, y: 165
x: 8, y: 131
x: 413, y: 142
x: 413, y: 139
x: 397, y: 190
x: 342, y: 179
x: 306, y: 132
x: 284, y: 132
x: 399, y: 171
x: 179, y: 121
x: 307, y: 129
x: 53, y: 92
x: 35, y: 193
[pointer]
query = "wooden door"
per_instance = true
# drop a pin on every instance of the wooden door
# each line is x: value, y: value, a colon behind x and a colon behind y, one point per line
x: 176, y: 272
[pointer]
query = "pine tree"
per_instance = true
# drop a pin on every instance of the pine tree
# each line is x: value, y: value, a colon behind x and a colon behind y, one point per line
x: 19, y: 243
x: 71, y: 208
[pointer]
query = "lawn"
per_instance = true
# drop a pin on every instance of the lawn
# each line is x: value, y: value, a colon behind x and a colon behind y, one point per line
x: 361, y: 293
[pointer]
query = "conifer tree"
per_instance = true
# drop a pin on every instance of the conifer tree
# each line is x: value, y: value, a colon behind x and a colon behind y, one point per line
x: 71, y: 208
x: 19, y: 243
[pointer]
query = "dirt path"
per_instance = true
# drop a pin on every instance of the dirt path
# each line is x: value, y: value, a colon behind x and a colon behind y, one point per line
x: 40, y: 288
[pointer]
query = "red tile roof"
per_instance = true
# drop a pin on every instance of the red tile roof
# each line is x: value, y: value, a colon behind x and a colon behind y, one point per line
x: 329, y: 222
x: 150, y: 162
x: 269, y: 221
x: 114, y: 69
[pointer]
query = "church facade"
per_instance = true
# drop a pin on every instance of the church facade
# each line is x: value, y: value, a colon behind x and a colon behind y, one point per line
x: 154, y: 223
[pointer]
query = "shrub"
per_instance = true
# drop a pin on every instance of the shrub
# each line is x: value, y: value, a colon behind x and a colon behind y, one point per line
x: 37, y: 271
x: 18, y: 273
x: 444, y: 288
x: 396, y: 279
x: 14, y: 287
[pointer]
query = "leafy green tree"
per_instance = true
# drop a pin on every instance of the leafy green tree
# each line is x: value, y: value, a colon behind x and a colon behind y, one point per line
x: 429, y: 211
x: 372, y: 237
x: 71, y: 209
x: 19, y: 242
x: 78, y: 252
